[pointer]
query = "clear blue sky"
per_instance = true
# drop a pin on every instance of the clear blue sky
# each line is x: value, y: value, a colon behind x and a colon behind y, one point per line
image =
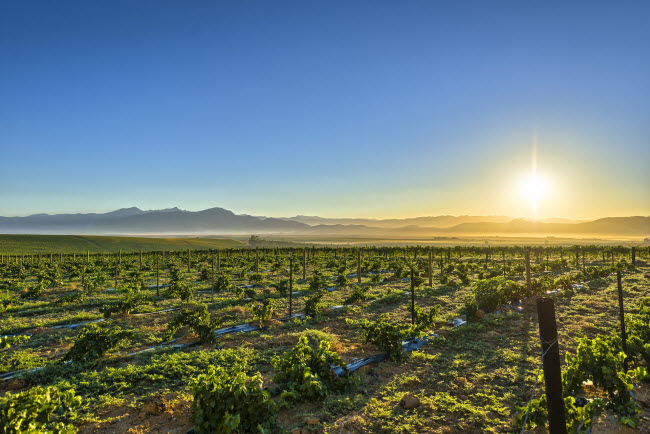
x: 378, y: 108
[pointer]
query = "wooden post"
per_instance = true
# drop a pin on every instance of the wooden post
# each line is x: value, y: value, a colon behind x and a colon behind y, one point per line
x: 412, y: 299
x: 218, y: 261
x: 157, y: 276
x: 359, y: 265
x: 257, y: 260
x: 188, y: 260
x: 290, y: 286
x: 212, y: 276
x: 430, y: 270
x: 528, y: 282
x: 622, y: 317
x: 583, y: 260
x: 117, y: 265
x: 634, y: 256
x: 547, y: 259
x: 304, y: 263
x: 551, y: 362
x: 88, y: 255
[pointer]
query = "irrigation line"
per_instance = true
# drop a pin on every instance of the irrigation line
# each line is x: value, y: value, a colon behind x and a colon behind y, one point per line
x: 523, y: 428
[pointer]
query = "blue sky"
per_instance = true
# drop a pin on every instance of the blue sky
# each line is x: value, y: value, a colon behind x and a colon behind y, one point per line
x: 374, y: 109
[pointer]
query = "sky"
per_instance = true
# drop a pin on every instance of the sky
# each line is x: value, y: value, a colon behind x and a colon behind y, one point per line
x: 359, y: 109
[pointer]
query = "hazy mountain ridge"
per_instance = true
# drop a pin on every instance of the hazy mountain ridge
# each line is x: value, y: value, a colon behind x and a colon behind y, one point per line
x: 222, y: 221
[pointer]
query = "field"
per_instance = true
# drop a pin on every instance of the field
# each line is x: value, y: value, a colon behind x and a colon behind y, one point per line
x: 46, y: 244
x: 135, y: 366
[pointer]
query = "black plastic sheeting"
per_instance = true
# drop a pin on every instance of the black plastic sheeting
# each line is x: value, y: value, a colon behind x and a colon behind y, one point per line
x: 244, y: 328
x: 156, y: 312
x: 408, y: 345
x: 75, y: 325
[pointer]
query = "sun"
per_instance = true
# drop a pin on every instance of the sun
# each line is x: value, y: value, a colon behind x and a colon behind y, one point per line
x: 534, y: 188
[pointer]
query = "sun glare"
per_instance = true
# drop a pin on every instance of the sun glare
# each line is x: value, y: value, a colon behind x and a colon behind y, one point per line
x: 534, y: 188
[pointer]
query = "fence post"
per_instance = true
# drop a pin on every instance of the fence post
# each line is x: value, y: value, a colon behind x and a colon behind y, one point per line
x: 257, y: 260
x: 188, y: 260
x: 218, y: 260
x: 622, y: 317
x: 359, y: 265
x: 551, y: 362
x: 157, y: 277
x: 304, y: 263
x: 528, y: 282
x: 430, y: 270
x: 117, y: 265
x: 412, y: 299
x: 634, y: 256
x: 290, y: 285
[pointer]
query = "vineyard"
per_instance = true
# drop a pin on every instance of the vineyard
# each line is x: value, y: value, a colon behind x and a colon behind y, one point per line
x: 306, y: 340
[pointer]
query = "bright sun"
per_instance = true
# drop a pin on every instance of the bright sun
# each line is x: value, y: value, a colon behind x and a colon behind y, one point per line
x: 534, y: 189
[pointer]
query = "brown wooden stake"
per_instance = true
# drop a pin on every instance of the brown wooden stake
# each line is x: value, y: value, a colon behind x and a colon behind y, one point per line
x: 528, y: 282
x: 622, y: 317
x: 551, y: 363
x: 157, y: 276
x: 304, y: 263
x: 430, y: 270
x: 290, y: 286
x: 359, y: 266
x: 412, y: 299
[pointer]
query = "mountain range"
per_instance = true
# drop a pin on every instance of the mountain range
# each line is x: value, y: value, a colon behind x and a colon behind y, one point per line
x: 219, y: 221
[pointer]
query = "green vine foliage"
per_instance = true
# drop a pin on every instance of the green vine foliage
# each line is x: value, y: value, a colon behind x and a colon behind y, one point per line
x: 423, y: 320
x: 124, y: 306
x: 232, y: 403
x: 72, y: 298
x: 198, y: 320
x: 306, y: 373
x: 256, y: 279
x: 264, y: 310
x: 314, y: 305
x: 178, y: 285
x: 388, y: 337
x: 316, y: 281
x: 181, y: 289
x: 601, y: 360
x: 93, y: 342
x: 38, y: 410
x: 358, y: 295
x: 282, y: 287
x: 471, y: 308
x: 222, y: 282
x: 341, y: 279
x: 490, y: 293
